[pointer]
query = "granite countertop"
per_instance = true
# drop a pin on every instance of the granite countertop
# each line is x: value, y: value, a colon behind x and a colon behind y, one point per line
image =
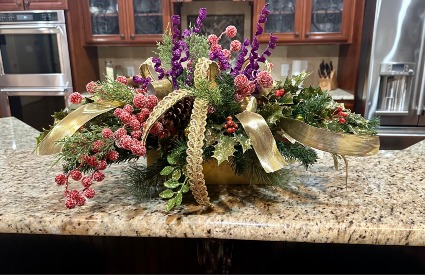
x: 339, y: 94
x: 383, y: 204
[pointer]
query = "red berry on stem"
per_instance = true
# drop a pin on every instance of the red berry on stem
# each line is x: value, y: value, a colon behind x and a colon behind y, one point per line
x: 341, y: 120
x: 61, y: 179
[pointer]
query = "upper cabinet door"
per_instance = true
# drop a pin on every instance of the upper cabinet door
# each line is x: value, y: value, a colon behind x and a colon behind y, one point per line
x: 147, y: 20
x: 104, y: 21
x: 307, y: 21
x: 330, y: 20
x: 14, y: 5
x: 284, y: 20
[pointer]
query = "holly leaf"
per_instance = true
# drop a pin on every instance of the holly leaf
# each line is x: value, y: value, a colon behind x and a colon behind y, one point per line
x: 170, y: 204
x: 171, y: 184
x: 244, y: 141
x: 272, y: 113
x: 287, y: 98
x: 224, y: 149
x: 166, y: 170
x: 166, y: 194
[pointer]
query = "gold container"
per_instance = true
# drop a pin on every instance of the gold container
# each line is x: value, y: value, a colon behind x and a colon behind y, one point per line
x: 213, y: 173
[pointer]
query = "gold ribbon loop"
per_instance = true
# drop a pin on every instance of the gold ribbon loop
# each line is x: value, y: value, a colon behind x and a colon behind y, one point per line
x: 262, y: 141
x: 332, y: 142
x: 70, y: 124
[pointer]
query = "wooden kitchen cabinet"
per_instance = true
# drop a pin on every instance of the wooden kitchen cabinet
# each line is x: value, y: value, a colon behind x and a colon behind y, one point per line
x: 124, y: 22
x: 307, y: 21
x: 17, y: 5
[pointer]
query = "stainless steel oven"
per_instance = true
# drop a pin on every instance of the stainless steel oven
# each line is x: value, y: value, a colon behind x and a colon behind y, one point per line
x: 35, y: 72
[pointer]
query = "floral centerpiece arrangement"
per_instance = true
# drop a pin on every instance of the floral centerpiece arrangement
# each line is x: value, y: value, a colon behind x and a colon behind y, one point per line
x: 207, y: 105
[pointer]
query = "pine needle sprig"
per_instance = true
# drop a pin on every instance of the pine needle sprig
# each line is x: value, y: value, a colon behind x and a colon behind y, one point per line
x: 146, y: 182
x: 296, y: 151
x: 111, y: 90
x: 165, y: 48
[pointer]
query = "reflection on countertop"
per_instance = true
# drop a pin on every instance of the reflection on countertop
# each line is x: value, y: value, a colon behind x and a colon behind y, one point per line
x: 382, y: 204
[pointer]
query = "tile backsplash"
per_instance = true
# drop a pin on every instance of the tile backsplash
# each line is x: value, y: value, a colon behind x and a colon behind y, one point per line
x: 283, y: 57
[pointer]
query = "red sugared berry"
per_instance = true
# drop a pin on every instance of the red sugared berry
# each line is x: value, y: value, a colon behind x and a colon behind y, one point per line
x: 60, y: 179
x: 128, y: 108
x: 341, y: 120
x: 102, y: 165
x: 113, y: 155
x: 86, y: 182
x: 76, y: 175
x: 107, y: 133
x: 70, y: 203
x: 89, y: 193
x: 98, y: 176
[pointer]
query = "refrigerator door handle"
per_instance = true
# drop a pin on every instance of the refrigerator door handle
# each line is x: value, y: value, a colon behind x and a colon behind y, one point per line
x: 420, y: 101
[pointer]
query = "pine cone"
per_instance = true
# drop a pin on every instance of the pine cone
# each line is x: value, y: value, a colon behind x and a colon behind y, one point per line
x: 175, y: 121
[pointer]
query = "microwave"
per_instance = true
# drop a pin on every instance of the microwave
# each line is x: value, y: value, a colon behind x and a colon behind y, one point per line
x: 34, y: 65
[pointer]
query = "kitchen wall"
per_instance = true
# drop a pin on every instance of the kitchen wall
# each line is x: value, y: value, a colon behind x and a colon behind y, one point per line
x: 282, y: 55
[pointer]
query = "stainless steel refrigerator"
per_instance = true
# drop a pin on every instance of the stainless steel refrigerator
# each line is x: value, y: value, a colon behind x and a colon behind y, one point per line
x: 391, y: 84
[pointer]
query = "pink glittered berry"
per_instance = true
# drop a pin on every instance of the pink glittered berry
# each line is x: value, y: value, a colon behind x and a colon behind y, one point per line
x: 81, y: 201
x: 91, y: 87
x: 142, y: 91
x: 75, y: 98
x: 86, y: 182
x: 113, y: 155
x: 76, y: 175
x: 152, y: 102
x: 117, y: 112
x: 138, y: 150
x: 215, y: 47
x: 140, y: 100
x: 265, y: 79
x: 240, y: 81
x: 125, y: 117
x: 235, y: 46
x: 107, y: 133
x: 91, y: 161
x: 98, y: 176
x: 143, y: 115
x: 231, y: 31
x: 98, y: 145
x: 125, y: 142
x: 128, y: 108
x: 136, y: 134
x: 135, y: 124
x: 212, y: 39
x: 279, y: 93
x: 60, y: 179
x: 73, y: 194
x: 102, y: 165
x: 70, y: 203
x: 122, y: 79
x: 227, y: 53
x: 119, y: 133
x: 89, y: 193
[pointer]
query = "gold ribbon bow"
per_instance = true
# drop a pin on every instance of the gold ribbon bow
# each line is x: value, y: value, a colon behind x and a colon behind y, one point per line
x: 70, y: 124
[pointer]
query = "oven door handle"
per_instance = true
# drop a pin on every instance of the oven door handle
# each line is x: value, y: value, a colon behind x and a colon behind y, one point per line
x: 24, y: 29
x: 36, y: 91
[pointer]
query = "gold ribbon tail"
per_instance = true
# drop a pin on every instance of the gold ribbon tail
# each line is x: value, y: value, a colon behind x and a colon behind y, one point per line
x: 262, y: 140
x: 70, y: 124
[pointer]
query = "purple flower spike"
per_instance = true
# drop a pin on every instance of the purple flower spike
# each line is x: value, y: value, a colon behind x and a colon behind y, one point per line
x: 201, y: 16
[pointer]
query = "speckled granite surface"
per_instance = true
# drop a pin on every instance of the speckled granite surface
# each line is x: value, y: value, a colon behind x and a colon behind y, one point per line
x: 384, y: 202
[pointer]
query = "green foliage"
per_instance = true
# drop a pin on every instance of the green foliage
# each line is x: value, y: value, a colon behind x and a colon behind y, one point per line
x: 207, y: 92
x: 111, y: 90
x: 198, y: 47
x: 297, y: 151
x: 314, y: 106
x: 224, y: 148
x: 272, y: 113
x: 165, y: 48
x: 227, y: 105
x: 145, y: 181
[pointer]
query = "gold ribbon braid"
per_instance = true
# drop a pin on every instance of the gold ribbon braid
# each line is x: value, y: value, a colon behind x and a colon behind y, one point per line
x: 194, y: 152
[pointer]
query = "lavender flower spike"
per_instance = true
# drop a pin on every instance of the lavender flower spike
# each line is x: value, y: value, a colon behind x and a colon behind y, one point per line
x: 201, y: 16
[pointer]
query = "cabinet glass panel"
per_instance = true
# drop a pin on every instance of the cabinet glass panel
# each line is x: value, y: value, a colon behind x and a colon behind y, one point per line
x: 148, y: 16
x: 104, y: 16
x: 282, y: 16
x: 326, y: 16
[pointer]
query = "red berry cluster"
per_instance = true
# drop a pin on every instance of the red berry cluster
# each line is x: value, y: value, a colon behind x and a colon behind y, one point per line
x: 230, y: 125
x: 279, y: 93
x: 342, y: 114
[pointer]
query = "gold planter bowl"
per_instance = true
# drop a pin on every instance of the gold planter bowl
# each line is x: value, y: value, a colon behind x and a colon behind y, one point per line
x: 213, y: 173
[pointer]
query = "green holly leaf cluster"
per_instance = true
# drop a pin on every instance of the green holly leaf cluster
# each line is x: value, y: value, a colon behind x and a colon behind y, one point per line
x: 224, y: 149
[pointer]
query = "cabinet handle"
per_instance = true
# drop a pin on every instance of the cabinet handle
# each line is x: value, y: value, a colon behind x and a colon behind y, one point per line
x: 18, y: 3
x: 122, y: 36
x: 307, y: 34
x: 132, y: 36
x: 297, y: 34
